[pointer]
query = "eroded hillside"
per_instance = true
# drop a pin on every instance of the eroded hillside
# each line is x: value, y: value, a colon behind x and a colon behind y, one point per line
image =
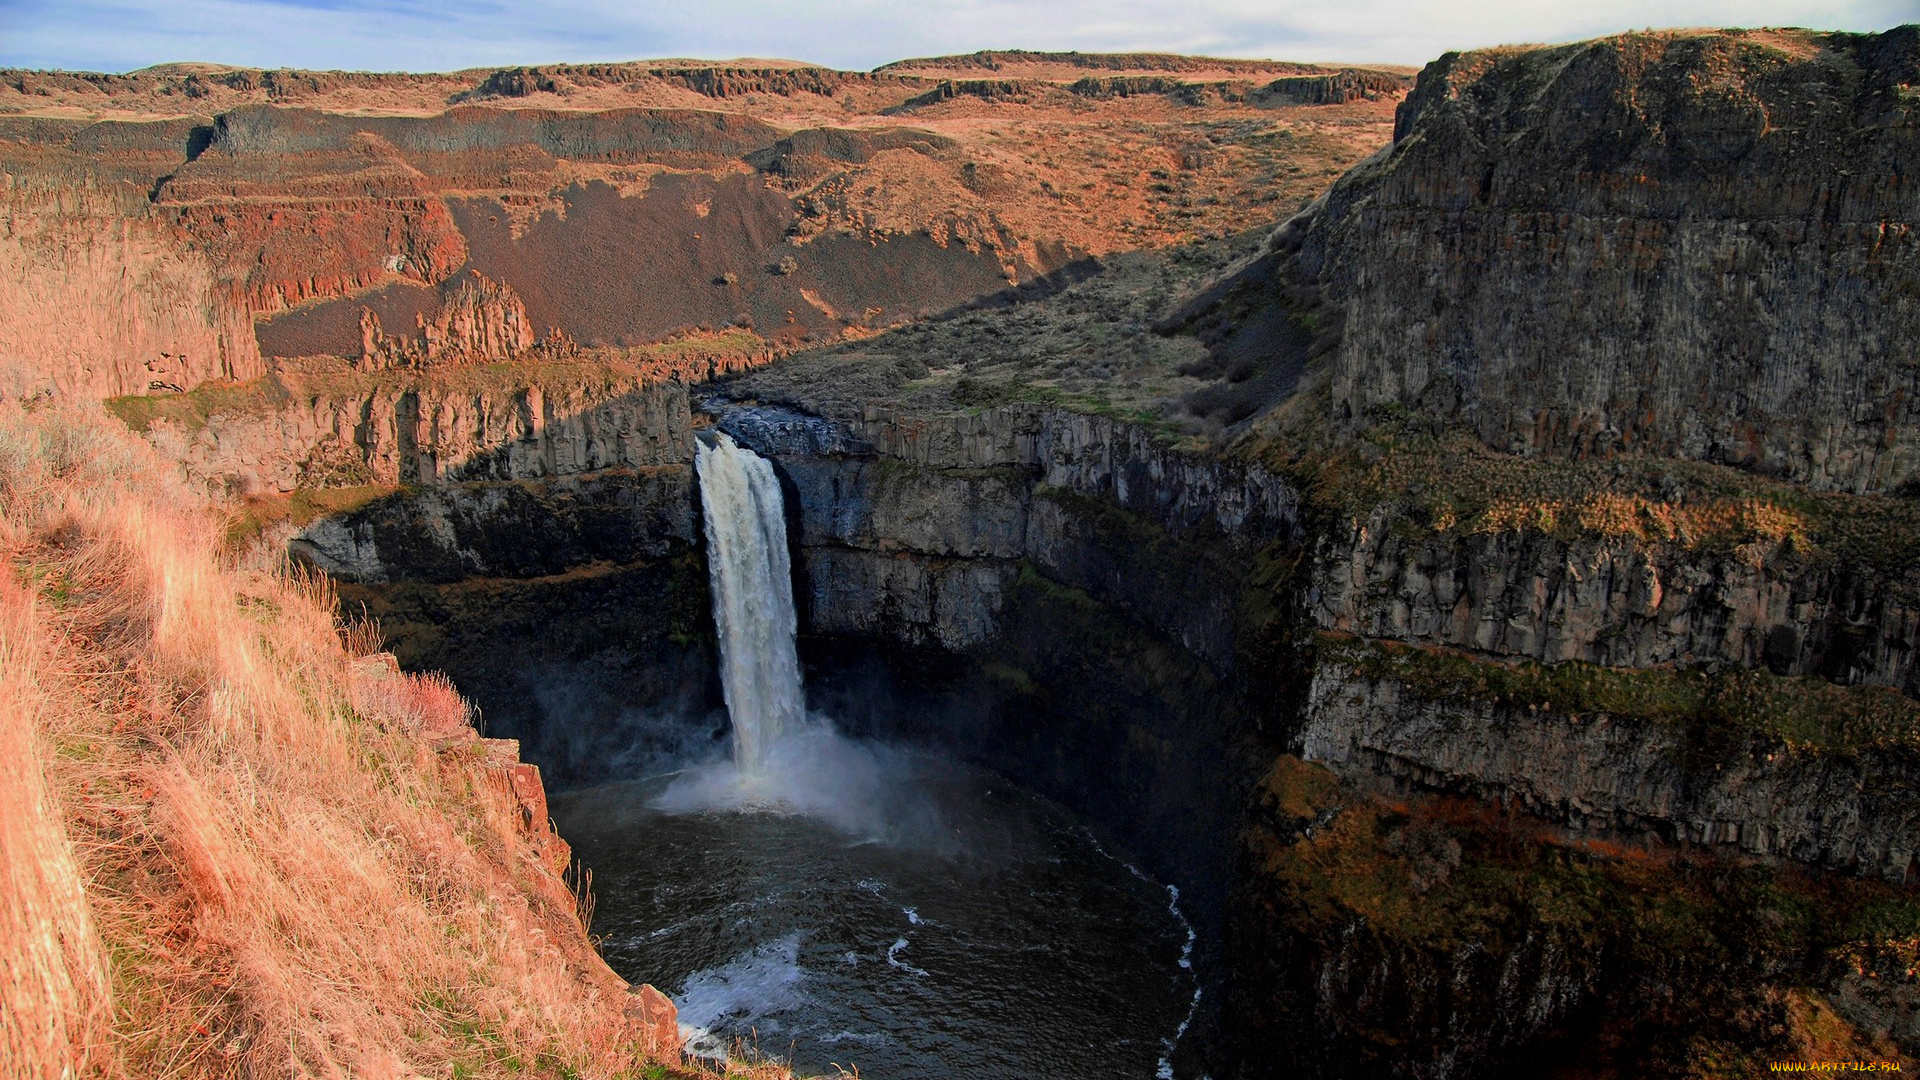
x: 260, y: 214
x: 1699, y: 246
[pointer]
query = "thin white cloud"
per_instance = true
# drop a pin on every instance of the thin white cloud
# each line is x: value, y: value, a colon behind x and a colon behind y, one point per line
x: 417, y: 35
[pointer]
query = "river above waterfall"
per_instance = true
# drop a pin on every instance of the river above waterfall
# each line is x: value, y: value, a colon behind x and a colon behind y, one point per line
x: 981, y: 932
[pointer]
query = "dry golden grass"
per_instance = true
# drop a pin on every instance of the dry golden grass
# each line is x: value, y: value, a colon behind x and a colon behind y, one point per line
x: 233, y: 848
x: 53, y: 984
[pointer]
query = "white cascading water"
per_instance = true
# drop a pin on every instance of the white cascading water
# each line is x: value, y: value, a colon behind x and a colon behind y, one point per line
x: 752, y: 598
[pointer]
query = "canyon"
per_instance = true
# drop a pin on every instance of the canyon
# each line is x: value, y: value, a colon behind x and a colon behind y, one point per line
x: 1489, y: 593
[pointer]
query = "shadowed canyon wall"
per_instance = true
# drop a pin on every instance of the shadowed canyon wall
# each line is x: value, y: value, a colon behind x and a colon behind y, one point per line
x: 1697, y: 245
x: 1128, y: 629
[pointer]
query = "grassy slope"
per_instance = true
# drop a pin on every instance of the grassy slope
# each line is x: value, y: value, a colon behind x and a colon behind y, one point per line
x: 233, y: 848
x: 1087, y: 346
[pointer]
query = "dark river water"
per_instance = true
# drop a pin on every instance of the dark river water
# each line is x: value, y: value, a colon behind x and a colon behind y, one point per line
x: 888, y: 911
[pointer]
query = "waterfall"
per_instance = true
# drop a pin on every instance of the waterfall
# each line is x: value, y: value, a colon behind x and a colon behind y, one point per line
x: 752, y: 597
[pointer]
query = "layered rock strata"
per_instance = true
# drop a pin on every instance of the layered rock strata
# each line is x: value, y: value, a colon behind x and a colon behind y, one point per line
x: 1614, y: 775
x: 1107, y: 619
x: 619, y: 204
x: 453, y: 532
x: 103, y: 297
x: 1619, y: 602
x: 1695, y: 245
x: 311, y: 434
x: 1702, y: 245
x: 915, y: 528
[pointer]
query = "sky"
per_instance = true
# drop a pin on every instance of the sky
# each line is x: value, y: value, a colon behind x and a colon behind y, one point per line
x: 443, y: 35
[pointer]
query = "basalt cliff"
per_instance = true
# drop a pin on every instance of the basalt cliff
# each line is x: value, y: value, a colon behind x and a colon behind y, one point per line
x: 1490, y: 592
x: 1699, y: 248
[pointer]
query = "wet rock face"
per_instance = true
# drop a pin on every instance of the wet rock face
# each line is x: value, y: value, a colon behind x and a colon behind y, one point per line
x: 1621, y: 603
x: 1703, y: 245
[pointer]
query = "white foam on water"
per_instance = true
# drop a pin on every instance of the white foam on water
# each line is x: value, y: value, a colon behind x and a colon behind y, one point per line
x: 1173, y: 905
x: 864, y: 1038
x: 784, y: 760
x: 743, y: 992
x: 913, y: 915
x: 893, y: 958
x: 864, y: 790
x: 1164, y: 1070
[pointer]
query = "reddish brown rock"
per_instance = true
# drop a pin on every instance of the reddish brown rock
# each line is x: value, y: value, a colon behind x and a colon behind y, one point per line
x: 99, y: 296
x: 481, y: 321
x: 618, y: 203
x: 659, y: 1022
x: 523, y: 780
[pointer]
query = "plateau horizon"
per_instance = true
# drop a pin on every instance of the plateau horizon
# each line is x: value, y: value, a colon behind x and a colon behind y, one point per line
x: 406, y: 35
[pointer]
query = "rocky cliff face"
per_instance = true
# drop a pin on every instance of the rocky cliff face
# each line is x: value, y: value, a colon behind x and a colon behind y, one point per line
x: 1057, y: 595
x: 1620, y: 602
x: 1564, y: 766
x: 1629, y: 245
x: 1108, y: 619
x: 480, y: 321
x: 916, y: 527
x: 1702, y: 245
x: 1608, y: 774
x: 454, y: 532
x: 102, y: 297
x: 574, y: 610
x: 1004, y: 523
x: 1443, y: 938
x: 296, y: 432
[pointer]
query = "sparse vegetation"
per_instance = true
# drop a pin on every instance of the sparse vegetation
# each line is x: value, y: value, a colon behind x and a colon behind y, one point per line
x: 299, y: 507
x: 240, y: 847
x: 1450, y: 483
x: 1804, y: 714
x: 1709, y: 963
x: 192, y: 409
x: 1083, y: 342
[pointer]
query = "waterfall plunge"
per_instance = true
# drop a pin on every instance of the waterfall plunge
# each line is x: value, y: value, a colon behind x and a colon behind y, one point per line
x: 783, y: 760
x: 752, y: 598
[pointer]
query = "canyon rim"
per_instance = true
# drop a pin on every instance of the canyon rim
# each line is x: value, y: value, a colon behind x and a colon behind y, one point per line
x: 1012, y: 563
